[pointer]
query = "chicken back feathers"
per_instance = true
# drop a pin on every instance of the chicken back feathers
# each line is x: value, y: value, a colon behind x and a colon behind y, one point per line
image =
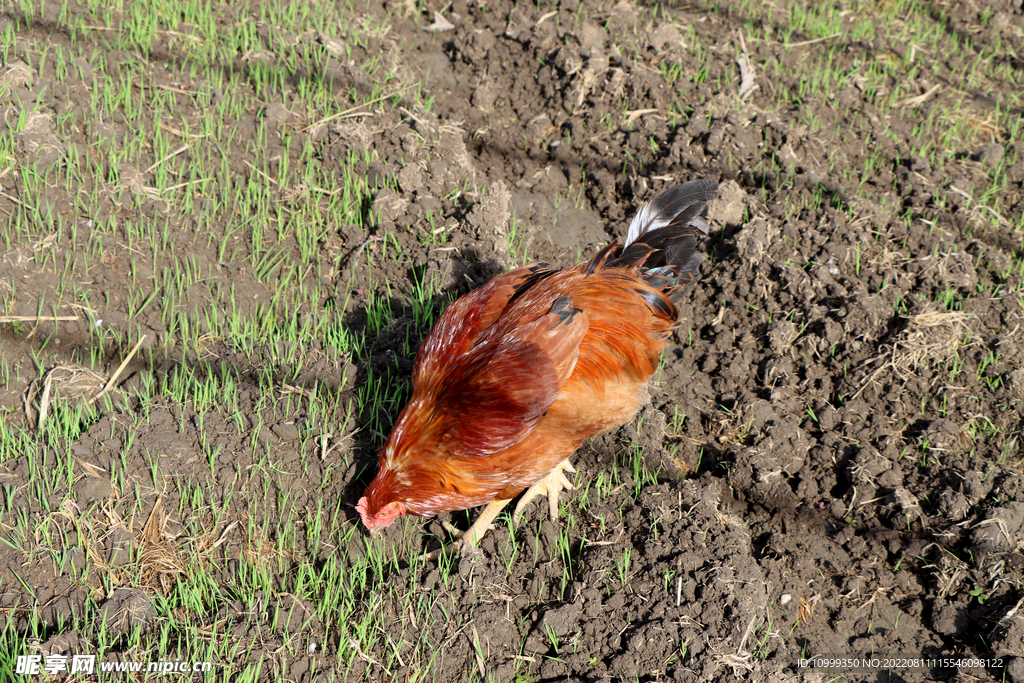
x: 516, y: 375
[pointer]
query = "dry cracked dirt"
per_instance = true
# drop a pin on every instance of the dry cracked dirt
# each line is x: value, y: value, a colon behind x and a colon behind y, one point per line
x: 830, y: 462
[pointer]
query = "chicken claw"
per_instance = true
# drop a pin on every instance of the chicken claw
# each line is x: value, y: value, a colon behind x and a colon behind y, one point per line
x: 483, y: 523
x: 451, y: 547
x: 553, y: 484
x: 469, y: 540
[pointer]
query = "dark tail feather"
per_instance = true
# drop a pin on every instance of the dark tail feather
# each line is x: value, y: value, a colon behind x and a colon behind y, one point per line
x: 663, y: 237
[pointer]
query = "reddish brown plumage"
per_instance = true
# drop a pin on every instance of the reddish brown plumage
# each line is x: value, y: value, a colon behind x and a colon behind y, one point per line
x: 517, y: 374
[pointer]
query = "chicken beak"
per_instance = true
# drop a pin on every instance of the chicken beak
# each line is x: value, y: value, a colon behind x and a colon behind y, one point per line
x: 373, y: 531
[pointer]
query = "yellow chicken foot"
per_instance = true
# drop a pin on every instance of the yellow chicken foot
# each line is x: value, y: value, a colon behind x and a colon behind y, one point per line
x: 553, y: 484
x: 483, y: 522
x: 470, y: 540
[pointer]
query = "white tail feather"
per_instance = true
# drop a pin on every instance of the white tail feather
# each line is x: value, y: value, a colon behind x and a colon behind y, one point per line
x: 644, y: 221
x: 665, y: 209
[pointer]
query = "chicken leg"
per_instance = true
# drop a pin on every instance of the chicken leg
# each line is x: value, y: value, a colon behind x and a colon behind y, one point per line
x: 553, y: 484
x: 473, y: 535
x: 469, y: 540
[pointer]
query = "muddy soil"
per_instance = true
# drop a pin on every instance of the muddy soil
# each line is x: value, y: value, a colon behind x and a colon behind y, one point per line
x: 835, y: 433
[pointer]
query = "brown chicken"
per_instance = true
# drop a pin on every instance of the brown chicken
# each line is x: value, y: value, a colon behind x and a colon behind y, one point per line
x: 516, y: 375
